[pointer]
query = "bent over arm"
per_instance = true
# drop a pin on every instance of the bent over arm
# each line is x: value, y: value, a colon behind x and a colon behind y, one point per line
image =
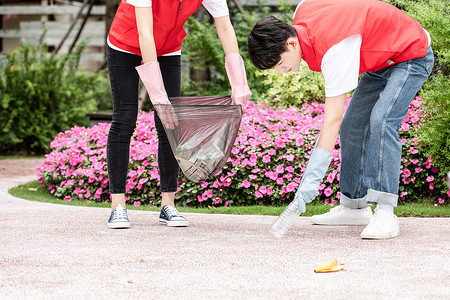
x: 334, y: 112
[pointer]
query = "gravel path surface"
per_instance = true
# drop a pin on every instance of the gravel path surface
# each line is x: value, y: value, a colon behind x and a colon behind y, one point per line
x: 50, y: 251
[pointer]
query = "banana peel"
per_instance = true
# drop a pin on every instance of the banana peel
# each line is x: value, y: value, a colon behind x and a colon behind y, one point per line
x: 329, y: 267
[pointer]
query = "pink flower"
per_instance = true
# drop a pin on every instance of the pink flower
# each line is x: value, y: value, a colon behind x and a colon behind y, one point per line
x: 407, y: 173
x: 266, y: 159
x: 413, y: 151
x: 258, y: 194
x: 291, y: 187
x: 204, y: 184
x: 290, y: 157
x: 154, y: 174
x: 328, y: 191
x: 246, y: 184
x: 225, y: 204
x: 208, y: 193
x: 263, y: 190
x: 405, y: 126
x: 430, y: 179
x: 333, y: 202
x: 431, y: 187
x: 279, y: 169
x: 271, y: 152
x: 67, y: 198
x: 137, y: 203
x: 441, y: 200
x: 280, y: 180
x: 290, y: 169
x: 418, y: 169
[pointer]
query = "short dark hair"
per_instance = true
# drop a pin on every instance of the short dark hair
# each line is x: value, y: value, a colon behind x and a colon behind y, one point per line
x: 267, y: 41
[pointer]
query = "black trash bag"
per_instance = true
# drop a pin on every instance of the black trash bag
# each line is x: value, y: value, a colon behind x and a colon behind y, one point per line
x: 204, y: 132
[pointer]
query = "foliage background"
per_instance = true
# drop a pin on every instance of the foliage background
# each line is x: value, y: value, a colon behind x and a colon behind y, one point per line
x: 43, y: 95
x: 434, y: 134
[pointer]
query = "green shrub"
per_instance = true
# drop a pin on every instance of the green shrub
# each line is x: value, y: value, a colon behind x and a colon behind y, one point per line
x: 433, y: 15
x: 204, y: 50
x: 42, y: 95
x: 293, y: 88
x: 434, y: 135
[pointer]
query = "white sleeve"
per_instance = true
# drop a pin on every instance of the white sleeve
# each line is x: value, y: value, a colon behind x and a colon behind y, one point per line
x: 340, y: 66
x: 216, y: 8
x: 140, y: 3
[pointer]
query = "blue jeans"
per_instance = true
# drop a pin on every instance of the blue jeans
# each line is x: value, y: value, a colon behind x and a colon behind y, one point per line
x: 124, y: 88
x: 370, y: 146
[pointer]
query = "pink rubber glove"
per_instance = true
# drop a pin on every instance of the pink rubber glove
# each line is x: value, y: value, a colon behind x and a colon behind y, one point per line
x: 234, y: 64
x: 151, y: 76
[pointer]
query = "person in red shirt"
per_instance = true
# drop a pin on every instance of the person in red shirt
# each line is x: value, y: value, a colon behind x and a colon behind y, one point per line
x: 144, y: 42
x: 343, y: 39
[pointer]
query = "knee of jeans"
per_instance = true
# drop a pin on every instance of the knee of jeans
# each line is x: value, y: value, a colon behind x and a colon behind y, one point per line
x: 124, y: 125
x: 376, y: 123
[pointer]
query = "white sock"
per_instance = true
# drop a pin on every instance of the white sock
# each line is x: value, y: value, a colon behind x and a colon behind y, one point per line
x: 386, y: 207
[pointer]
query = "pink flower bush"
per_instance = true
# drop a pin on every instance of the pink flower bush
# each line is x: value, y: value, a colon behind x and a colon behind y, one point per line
x: 265, y: 166
x: 418, y: 177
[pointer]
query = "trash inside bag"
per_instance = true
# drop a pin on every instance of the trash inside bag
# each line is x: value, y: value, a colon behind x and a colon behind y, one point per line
x: 203, y: 133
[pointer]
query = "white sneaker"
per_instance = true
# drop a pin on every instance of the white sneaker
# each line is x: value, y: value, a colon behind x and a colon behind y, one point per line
x: 383, y: 225
x: 341, y: 215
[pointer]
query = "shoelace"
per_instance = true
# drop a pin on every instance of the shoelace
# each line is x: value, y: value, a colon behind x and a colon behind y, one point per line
x: 120, y: 213
x: 172, y: 211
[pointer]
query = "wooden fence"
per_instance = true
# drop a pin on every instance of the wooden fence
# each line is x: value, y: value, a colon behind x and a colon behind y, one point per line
x: 31, y: 31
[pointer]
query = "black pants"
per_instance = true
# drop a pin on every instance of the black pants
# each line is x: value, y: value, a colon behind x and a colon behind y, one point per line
x: 124, y: 87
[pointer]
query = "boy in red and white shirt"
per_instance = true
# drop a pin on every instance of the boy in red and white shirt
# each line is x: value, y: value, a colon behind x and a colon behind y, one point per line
x: 343, y: 39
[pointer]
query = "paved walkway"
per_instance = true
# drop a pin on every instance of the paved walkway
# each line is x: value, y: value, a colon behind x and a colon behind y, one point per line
x: 50, y: 251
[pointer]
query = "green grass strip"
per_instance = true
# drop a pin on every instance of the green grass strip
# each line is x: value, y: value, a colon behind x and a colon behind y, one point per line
x: 7, y: 157
x: 34, y: 192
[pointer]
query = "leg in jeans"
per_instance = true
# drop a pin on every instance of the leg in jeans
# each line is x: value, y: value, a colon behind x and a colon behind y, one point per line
x: 168, y: 166
x: 124, y: 87
x: 380, y: 156
x: 353, y: 134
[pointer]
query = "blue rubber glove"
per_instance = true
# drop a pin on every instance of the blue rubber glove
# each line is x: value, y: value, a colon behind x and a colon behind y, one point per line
x: 315, y: 170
